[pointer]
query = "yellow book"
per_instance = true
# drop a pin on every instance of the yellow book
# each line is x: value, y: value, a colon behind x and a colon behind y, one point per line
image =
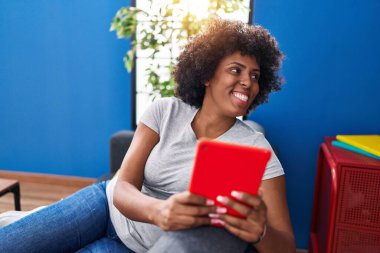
x: 369, y: 143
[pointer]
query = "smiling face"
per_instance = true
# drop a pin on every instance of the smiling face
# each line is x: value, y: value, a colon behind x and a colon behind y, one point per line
x: 233, y: 87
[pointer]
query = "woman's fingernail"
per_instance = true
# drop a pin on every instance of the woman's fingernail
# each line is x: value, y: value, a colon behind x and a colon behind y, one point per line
x: 236, y: 194
x: 214, y: 215
x: 222, y: 199
x: 221, y: 210
x: 210, y: 202
x: 217, y: 222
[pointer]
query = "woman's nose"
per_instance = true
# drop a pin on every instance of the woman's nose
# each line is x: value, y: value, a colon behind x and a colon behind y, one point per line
x: 245, y: 82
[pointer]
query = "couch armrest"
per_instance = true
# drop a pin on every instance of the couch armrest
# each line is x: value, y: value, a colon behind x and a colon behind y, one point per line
x: 119, y: 145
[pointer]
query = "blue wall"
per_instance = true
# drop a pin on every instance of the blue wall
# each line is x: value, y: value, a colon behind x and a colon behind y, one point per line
x: 63, y: 87
x: 64, y: 90
x: 332, y: 72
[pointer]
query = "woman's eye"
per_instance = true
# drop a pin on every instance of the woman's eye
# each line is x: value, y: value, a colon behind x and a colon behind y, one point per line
x: 235, y: 70
x: 255, y: 76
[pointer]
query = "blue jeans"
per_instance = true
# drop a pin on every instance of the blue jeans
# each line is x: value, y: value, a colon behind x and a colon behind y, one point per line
x: 81, y: 223
x: 77, y: 223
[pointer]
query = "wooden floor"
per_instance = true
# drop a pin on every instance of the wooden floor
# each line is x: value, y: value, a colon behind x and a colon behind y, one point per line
x: 40, y: 190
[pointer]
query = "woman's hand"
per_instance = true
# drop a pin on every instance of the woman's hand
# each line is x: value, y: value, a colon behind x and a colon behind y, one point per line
x: 252, y: 227
x: 183, y: 210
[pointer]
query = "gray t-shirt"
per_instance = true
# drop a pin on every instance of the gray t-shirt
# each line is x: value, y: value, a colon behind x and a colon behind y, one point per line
x: 169, y: 165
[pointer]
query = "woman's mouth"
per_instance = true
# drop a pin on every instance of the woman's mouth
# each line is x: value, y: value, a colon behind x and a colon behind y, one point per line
x: 240, y: 96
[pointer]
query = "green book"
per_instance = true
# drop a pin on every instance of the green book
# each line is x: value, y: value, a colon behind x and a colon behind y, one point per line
x: 354, y: 149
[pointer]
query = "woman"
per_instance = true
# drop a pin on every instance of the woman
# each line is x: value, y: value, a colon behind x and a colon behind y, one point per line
x: 222, y: 73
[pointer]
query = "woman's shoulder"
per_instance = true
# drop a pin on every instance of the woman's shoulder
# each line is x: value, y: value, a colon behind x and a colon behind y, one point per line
x: 246, y: 128
x: 172, y: 104
x: 170, y: 100
x: 249, y: 134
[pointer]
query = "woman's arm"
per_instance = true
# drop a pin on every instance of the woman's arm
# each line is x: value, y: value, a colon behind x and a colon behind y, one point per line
x: 182, y: 210
x: 127, y: 196
x: 279, y: 235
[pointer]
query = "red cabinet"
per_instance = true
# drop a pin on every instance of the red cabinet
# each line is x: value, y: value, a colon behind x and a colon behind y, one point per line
x: 346, y: 210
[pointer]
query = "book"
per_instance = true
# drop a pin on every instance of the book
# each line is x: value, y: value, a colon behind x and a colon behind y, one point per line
x: 341, y: 144
x: 368, y: 143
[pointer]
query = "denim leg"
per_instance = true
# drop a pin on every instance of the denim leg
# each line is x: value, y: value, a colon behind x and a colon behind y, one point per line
x: 65, y: 226
x: 105, y: 245
x: 109, y: 244
x: 202, y: 239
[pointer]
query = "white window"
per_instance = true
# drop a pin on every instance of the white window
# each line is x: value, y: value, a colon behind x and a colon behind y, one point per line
x: 143, y: 94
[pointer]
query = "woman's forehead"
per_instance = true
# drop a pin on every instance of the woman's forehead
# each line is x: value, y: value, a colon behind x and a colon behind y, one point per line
x: 236, y: 57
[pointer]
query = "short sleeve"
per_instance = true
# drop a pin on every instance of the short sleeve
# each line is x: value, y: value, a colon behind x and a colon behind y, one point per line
x: 274, y: 167
x: 152, y: 116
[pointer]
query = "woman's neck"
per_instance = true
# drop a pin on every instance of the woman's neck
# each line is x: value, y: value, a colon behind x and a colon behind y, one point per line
x: 210, y: 125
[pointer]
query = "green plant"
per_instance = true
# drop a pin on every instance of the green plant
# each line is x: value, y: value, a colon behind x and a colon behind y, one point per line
x: 172, y: 25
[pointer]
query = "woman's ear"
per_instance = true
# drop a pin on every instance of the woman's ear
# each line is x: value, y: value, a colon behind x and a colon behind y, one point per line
x: 207, y: 83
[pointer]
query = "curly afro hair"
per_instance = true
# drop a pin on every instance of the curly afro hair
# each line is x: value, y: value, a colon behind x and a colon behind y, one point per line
x: 198, y: 61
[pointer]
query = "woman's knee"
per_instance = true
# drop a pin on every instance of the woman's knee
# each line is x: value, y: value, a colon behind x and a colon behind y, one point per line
x: 202, y: 239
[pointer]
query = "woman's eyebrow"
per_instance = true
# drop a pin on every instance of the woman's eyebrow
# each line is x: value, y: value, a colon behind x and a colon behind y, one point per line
x: 242, y: 65
x: 238, y: 63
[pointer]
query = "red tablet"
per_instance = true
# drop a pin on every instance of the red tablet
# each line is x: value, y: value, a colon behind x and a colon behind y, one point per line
x: 220, y: 168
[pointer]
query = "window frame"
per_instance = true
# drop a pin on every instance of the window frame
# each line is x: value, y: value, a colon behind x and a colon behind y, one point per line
x: 134, y: 77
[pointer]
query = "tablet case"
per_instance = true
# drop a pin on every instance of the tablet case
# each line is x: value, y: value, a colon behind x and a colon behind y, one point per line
x: 220, y: 168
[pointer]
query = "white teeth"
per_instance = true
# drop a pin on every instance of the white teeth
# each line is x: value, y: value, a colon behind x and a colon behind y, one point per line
x: 241, y: 96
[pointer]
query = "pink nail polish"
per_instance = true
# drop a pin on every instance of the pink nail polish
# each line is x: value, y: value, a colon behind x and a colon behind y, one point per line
x: 210, y: 202
x: 213, y: 215
x: 222, y: 199
x: 217, y: 222
x: 221, y: 210
x: 236, y: 194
